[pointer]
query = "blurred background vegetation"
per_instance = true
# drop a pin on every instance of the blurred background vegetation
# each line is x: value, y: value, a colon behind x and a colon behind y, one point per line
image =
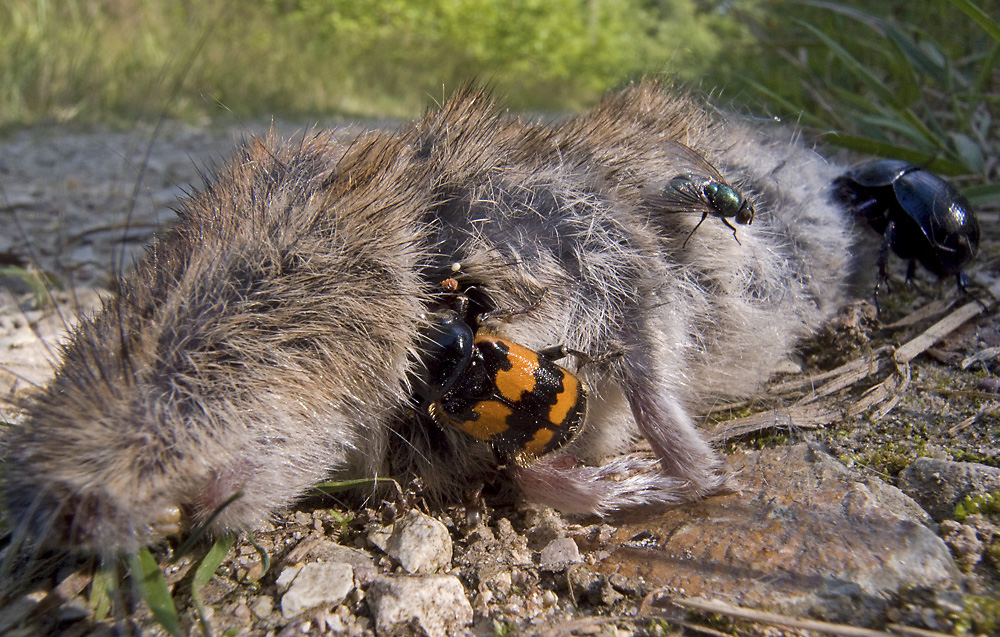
x: 916, y: 80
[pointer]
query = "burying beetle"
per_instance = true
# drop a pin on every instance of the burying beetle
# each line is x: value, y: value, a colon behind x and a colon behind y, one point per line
x: 497, y: 391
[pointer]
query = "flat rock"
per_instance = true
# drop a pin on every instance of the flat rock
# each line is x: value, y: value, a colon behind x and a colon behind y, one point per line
x: 314, y: 585
x: 805, y: 537
x: 435, y: 604
x: 321, y: 549
x: 939, y: 485
x: 559, y: 553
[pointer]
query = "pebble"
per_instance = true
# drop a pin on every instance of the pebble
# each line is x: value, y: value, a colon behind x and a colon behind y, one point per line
x: 316, y: 584
x: 262, y: 606
x: 420, y: 544
x: 320, y: 549
x: 964, y: 543
x: 436, y: 604
x: 559, y: 553
x: 939, y: 485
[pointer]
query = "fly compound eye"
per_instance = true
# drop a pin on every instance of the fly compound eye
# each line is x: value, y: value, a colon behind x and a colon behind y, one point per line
x: 746, y: 213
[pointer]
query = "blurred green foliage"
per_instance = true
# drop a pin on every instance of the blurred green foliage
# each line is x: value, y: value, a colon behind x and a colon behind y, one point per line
x: 101, y: 59
x: 540, y: 53
x: 915, y: 80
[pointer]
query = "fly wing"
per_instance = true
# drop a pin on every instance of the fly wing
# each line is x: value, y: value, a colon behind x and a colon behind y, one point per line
x: 683, y: 190
x: 680, y: 194
x: 693, y: 162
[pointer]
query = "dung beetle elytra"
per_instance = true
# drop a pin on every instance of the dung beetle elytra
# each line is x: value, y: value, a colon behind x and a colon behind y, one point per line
x: 919, y: 215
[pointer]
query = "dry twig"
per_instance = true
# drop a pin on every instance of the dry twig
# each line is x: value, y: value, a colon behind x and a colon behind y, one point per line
x: 776, y: 619
x: 802, y: 414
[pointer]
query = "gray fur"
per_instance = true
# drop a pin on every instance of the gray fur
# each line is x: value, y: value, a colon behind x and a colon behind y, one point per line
x: 264, y: 343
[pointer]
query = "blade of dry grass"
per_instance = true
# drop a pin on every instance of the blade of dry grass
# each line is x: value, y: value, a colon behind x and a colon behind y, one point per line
x: 776, y: 619
x: 802, y: 414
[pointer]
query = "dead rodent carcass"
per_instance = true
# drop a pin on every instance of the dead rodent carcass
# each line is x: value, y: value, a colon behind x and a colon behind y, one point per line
x: 275, y: 336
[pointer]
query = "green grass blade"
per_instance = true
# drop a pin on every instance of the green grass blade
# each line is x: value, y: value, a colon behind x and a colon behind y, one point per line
x: 970, y: 152
x: 856, y: 68
x: 102, y: 589
x: 806, y: 119
x: 986, y: 194
x: 884, y: 149
x: 907, y: 124
x: 918, y: 58
x: 265, y: 558
x: 851, y: 102
x: 981, y: 17
x: 985, y: 74
x: 202, y: 528
x: 914, y: 120
x: 347, y: 485
x: 903, y: 122
x: 41, y: 283
x: 153, y: 589
x: 204, y: 573
x: 889, y: 122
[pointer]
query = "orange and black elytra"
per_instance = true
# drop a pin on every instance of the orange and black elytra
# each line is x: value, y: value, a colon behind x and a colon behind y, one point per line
x: 521, y: 402
x: 498, y: 391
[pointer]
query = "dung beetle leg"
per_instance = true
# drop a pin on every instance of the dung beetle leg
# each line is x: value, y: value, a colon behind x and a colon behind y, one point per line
x: 963, y: 285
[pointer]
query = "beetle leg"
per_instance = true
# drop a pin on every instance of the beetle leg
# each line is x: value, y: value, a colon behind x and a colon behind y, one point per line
x: 475, y: 506
x: 882, y: 278
x: 556, y: 352
x: 963, y: 286
x: 507, y: 313
x: 462, y: 305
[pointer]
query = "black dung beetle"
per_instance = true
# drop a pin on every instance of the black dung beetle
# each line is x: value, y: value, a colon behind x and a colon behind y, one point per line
x: 919, y: 215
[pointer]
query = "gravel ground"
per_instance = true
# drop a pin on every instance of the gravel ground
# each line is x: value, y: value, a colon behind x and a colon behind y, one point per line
x: 72, y: 209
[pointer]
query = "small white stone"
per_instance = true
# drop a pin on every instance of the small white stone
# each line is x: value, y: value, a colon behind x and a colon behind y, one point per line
x: 315, y: 585
x: 500, y: 582
x: 287, y: 575
x: 336, y: 624
x: 262, y: 607
x: 436, y: 603
x: 559, y: 553
x: 549, y: 598
x: 421, y: 544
